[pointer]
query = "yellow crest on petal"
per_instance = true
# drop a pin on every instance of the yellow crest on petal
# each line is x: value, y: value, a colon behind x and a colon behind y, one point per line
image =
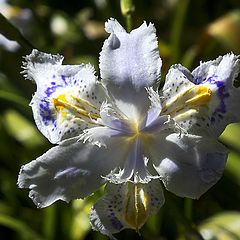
x: 136, y: 206
x: 81, y: 107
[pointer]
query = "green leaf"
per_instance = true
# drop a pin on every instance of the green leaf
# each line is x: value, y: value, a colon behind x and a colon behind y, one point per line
x: 230, y: 136
x: 223, y: 226
x: 177, y: 29
x: 20, y: 227
x: 13, y: 97
x: 81, y: 225
x: 22, y: 129
x: 233, y: 166
x: 12, y: 33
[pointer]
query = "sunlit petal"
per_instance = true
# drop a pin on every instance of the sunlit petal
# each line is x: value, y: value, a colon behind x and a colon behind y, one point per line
x: 129, y: 62
x: 68, y: 98
x: 219, y: 76
x: 206, y: 99
x: 186, y: 102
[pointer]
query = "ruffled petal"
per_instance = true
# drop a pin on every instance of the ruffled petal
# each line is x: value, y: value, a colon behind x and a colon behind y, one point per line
x: 126, y: 205
x: 68, y: 172
x: 154, y: 122
x: 219, y: 76
x: 206, y: 100
x: 186, y: 102
x: 112, y: 118
x: 129, y: 62
x: 68, y: 98
x: 188, y: 165
x: 99, y: 136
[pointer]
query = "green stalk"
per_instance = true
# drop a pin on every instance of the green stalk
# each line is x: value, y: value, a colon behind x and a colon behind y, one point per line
x: 127, y: 9
x: 129, y: 22
x: 188, y: 202
x: 177, y: 29
x: 12, y: 97
x: 49, y: 226
x: 12, y: 33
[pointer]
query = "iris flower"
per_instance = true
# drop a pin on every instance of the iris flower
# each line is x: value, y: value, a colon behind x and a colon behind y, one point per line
x: 123, y: 131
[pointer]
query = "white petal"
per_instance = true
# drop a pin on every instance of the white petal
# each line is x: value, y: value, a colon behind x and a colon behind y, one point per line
x: 179, y: 100
x: 70, y: 171
x: 188, y: 165
x: 68, y: 98
x: 130, y: 58
x: 126, y: 206
x: 113, y: 119
x: 206, y: 100
x: 219, y: 76
x: 134, y: 166
x: 154, y: 122
x: 129, y: 62
x: 100, y: 135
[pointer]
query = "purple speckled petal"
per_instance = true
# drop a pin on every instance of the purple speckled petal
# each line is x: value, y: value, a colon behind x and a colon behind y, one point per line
x: 219, y: 75
x: 180, y: 100
x: 67, y: 97
x: 126, y: 205
x: 204, y: 100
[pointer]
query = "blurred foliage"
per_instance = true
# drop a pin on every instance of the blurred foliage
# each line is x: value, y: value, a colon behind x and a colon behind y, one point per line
x: 188, y: 31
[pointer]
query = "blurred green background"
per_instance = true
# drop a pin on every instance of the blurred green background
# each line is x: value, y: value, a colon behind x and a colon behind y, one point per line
x: 188, y: 31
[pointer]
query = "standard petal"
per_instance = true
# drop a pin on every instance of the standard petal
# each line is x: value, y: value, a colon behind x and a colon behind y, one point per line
x: 126, y: 205
x: 188, y: 165
x: 219, y: 76
x: 68, y: 172
x: 129, y: 62
x: 68, y: 98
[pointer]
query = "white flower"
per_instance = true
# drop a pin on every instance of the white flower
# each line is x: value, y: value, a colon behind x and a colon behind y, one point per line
x: 120, y: 131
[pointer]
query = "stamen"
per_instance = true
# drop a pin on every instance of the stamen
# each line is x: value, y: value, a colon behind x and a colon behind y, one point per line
x: 61, y: 102
x: 193, y: 98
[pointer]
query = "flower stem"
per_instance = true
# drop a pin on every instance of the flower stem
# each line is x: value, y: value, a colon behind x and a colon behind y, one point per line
x: 188, y: 202
x: 127, y: 9
x: 177, y: 29
x: 129, y: 22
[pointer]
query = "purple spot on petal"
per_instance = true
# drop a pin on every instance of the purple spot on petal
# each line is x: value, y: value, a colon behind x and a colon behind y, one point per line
x: 116, y: 223
x: 64, y: 79
x: 50, y: 90
x: 45, y: 113
x: 222, y: 94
